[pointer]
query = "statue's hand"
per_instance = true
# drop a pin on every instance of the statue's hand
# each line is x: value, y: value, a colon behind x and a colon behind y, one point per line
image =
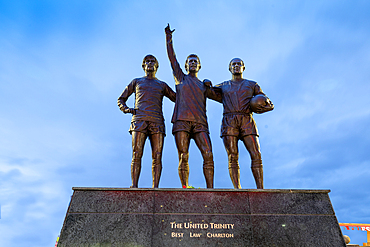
x: 207, y: 83
x: 268, y: 106
x: 168, y: 30
x: 128, y: 110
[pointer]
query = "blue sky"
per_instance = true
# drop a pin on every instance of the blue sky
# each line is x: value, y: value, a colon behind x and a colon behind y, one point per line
x: 64, y: 63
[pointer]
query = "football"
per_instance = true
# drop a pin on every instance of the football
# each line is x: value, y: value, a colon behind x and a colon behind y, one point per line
x: 260, y: 104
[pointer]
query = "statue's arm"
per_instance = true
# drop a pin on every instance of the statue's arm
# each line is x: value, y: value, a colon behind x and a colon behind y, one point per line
x: 257, y: 90
x: 169, y: 93
x: 214, y: 93
x: 269, y: 106
x: 171, y: 54
x: 124, y: 96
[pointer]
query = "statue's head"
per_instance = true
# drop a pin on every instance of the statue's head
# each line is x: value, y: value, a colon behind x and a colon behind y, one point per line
x: 192, y: 63
x: 150, y: 63
x: 236, y: 66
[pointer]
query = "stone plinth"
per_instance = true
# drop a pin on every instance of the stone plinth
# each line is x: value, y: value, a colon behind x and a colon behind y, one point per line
x: 112, y: 217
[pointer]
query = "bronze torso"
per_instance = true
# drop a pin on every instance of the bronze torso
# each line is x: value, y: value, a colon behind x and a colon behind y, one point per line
x: 237, y: 95
x: 190, y: 98
x: 149, y: 95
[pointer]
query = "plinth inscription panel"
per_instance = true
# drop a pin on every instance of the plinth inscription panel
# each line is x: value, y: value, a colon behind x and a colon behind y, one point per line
x: 113, y: 217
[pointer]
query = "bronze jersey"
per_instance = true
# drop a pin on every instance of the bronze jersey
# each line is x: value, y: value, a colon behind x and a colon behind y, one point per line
x: 236, y: 96
x: 149, y: 95
x: 191, y: 95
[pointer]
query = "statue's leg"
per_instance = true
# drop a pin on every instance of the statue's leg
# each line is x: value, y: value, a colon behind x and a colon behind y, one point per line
x: 182, y: 140
x: 203, y: 142
x: 156, y: 142
x: 231, y: 146
x: 138, y: 141
x: 252, y: 144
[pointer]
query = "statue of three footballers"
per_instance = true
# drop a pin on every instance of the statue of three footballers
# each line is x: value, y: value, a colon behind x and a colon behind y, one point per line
x: 189, y: 117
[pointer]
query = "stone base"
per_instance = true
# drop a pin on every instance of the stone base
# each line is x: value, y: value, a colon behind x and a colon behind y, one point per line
x: 113, y: 217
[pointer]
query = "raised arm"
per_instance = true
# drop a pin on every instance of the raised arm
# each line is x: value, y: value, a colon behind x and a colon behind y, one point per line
x: 123, y: 98
x: 171, y: 52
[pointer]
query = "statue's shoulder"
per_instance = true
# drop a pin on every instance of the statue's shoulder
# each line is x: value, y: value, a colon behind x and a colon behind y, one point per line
x: 161, y: 82
x: 136, y: 80
x: 139, y: 80
x: 250, y: 82
x: 224, y: 83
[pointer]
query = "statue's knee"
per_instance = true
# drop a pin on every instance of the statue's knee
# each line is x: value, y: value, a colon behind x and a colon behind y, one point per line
x: 183, y: 157
x: 157, y: 157
x: 256, y: 163
x: 208, y: 165
x: 207, y: 156
x: 255, y: 155
x: 233, y: 157
x: 137, y: 155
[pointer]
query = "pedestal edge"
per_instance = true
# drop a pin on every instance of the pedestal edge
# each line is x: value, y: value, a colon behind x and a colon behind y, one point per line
x: 202, y: 190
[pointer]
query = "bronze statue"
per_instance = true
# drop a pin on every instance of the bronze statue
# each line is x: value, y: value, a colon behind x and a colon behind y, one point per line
x: 189, y: 117
x: 147, y: 119
x: 236, y: 95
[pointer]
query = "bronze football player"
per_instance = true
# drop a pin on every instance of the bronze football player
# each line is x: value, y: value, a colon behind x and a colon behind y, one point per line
x: 189, y: 117
x: 238, y: 123
x: 147, y: 118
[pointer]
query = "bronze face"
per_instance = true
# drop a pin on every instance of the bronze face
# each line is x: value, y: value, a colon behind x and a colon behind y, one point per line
x: 236, y: 66
x: 192, y: 64
x: 150, y: 64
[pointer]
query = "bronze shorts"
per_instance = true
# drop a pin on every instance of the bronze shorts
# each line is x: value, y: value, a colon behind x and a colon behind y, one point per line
x: 239, y: 125
x: 188, y: 126
x: 147, y: 127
